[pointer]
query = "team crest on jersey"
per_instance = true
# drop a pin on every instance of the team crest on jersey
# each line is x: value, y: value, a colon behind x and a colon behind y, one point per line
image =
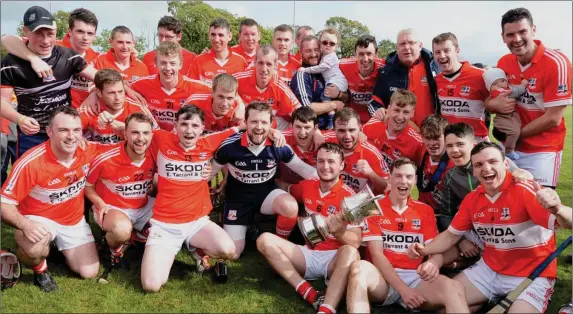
x: 505, y: 214
x: 416, y: 224
x: 465, y: 91
x: 331, y: 209
x: 424, y: 80
x: 271, y: 163
x: 232, y: 215
x: 365, y: 226
x: 181, y: 101
x: 86, y: 168
x: 561, y: 89
x: 270, y: 101
x: 532, y: 82
x: 355, y: 168
x: 50, y: 78
x: 203, y: 155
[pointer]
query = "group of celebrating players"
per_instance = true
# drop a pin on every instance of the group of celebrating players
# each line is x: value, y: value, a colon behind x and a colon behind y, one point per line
x: 274, y: 132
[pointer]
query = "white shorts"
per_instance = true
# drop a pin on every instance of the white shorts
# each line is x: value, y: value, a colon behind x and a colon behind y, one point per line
x: 316, y: 263
x: 172, y: 236
x: 543, y: 166
x: 66, y: 237
x: 410, y: 277
x: 494, y: 286
x: 139, y: 217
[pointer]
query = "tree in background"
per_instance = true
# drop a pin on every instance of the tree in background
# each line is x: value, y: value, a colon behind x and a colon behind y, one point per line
x: 385, y: 47
x: 349, y: 31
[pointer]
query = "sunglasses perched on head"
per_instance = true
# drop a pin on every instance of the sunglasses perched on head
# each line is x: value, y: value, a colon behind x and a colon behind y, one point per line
x: 328, y: 43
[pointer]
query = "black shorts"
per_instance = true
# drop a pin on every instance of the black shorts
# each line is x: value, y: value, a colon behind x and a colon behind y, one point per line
x: 242, y: 211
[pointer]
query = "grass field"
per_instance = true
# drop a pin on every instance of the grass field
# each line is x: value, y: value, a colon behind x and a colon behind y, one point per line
x: 252, y: 287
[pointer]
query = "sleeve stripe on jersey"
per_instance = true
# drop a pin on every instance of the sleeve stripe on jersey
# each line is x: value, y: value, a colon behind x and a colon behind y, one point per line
x: 206, y: 84
x: 243, y: 74
x: 143, y: 78
x: 35, y: 153
x: 370, y: 147
x: 415, y: 135
x: 302, y: 89
x: 238, y: 55
x: 75, y: 56
x: 103, y: 157
x: 348, y: 189
x: 561, y: 66
x: 455, y: 231
x: 289, y: 93
x: 371, y: 121
x: 231, y: 139
x: 527, y: 187
x: 7, y: 200
x: 348, y: 60
x: 44, y: 88
x: 8, y: 67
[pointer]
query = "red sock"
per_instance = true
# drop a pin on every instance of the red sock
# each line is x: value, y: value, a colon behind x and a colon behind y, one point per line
x: 200, y: 252
x: 116, y: 251
x: 40, y: 268
x: 285, y: 226
x: 326, y: 309
x: 306, y: 291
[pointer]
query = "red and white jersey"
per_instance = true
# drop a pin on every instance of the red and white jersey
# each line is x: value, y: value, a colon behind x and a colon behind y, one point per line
x: 183, y: 195
x: 188, y: 57
x: 250, y: 58
x: 206, y: 66
x: 516, y: 230
x: 462, y: 97
x: 357, y: 181
x: 277, y: 94
x: 41, y: 185
x: 212, y: 122
x: 398, y: 228
x: 81, y: 86
x: 549, y: 76
x: 286, y: 70
x: 163, y: 103
x: 360, y: 88
x: 309, y: 157
x: 104, y: 134
x: 316, y: 202
x: 119, y: 181
x: 135, y: 70
x: 430, y: 167
x: 406, y: 144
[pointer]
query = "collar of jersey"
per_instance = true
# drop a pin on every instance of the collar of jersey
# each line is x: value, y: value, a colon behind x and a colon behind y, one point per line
x: 539, y: 53
x: 180, y: 82
x: 125, y: 159
x: 245, y: 140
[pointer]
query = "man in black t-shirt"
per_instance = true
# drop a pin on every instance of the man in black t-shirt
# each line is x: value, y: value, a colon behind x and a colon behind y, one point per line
x: 37, y: 95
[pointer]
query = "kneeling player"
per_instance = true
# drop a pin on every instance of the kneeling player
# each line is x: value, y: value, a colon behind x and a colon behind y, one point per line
x: 118, y: 183
x: 183, y: 203
x: 252, y: 159
x: 389, y: 276
x: 330, y: 259
x: 516, y: 221
x: 43, y: 200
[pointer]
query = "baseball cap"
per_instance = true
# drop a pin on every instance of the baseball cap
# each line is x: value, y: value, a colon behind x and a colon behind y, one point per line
x: 37, y: 17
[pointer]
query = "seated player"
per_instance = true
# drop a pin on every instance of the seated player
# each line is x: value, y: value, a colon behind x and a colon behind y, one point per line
x: 43, y: 199
x: 182, y: 204
x: 108, y: 126
x: 220, y: 105
x: 252, y: 160
x: 387, y: 276
x: 166, y: 92
x: 394, y: 136
x: 516, y: 222
x: 330, y: 259
x: 363, y: 163
x: 118, y: 183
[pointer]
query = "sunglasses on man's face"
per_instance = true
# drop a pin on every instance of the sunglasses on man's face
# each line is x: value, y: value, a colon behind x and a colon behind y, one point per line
x: 328, y: 43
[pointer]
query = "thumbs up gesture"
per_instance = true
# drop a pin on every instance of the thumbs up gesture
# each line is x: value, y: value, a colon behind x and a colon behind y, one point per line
x: 547, y: 197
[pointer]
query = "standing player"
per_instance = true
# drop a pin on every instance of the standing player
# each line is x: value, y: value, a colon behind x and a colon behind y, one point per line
x: 361, y: 73
x: 169, y: 29
x: 40, y: 94
x: 387, y: 276
x: 363, y: 163
x: 43, y: 200
x: 220, y: 58
x: 516, y: 222
x: 108, y: 126
x: 461, y: 87
x: 287, y: 65
x: 117, y: 185
x: 249, y: 37
x: 120, y: 56
x: 395, y: 138
x: 220, y: 105
x: 252, y: 160
x: 301, y: 33
x: 166, y: 92
x: 183, y: 203
x: 542, y: 107
x: 330, y: 259
x: 261, y: 84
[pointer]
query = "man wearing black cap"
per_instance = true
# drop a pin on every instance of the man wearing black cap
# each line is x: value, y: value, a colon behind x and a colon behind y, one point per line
x: 38, y: 95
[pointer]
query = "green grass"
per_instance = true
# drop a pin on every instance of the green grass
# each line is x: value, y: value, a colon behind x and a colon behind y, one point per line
x: 252, y: 287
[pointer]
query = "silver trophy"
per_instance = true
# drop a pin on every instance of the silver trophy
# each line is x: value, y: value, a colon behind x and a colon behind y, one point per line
x: 354, y: 209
